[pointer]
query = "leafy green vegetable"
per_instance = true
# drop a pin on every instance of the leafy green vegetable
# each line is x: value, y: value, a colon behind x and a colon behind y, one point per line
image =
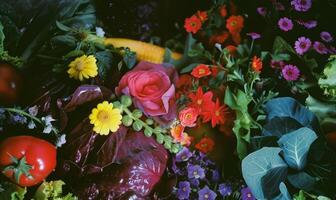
x: 52, y: 191
x: 263, y: 171
x: 295, y: 146
x: 279, y: 126
x: 328, y: 80
x: 11, y: 191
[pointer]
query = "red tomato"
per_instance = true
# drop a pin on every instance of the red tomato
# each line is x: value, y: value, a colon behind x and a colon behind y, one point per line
x: 27, y: 160
x: 10, y: 82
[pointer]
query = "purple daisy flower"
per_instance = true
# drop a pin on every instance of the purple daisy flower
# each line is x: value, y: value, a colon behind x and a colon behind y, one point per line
x: 254, y: 35
x: 184, y: 190
x: 302, y: 45
x: 183, y: 155
x: 285, y: 24
x: 301, y: 5
x: 262, y: 11
x: 195, y: 171
x: 290, y: 72
x: 308, y: 24
x: 320, y: 48
x: 326, y: 36
x: 195, y: 182
x: 247, y: 194
x: 206, y: 194
x: 225, y: 189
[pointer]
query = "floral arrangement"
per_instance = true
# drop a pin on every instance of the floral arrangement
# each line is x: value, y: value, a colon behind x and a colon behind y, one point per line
x: 241, y: 112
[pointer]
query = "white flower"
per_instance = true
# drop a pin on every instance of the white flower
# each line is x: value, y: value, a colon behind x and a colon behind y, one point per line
x: 47, y: 129
x: 33, y: 111
x: 100, y: 32
x: 60, y: 140
x: 31, y: 125
x: 219, y: 47
x: 47, y: 120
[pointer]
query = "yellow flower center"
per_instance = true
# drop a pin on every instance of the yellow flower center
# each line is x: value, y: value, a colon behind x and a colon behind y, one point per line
x: 188, y: 116
x: 201, y: 71
x: 217, y: 113
x: 199, y: 101
x: 103, y: 116
x: 80, y: 66
x: 233, y: 23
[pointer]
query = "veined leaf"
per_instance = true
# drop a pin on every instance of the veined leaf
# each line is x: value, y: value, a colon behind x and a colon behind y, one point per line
x: 295, y: 146
x: 279, y: 126
x: 263, y: 171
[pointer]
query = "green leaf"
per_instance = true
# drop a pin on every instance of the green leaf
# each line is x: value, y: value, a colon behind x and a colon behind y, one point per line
x: 11, y: 191
x: 159, y: 138
x: 67, y: 40
x: 278, y: 126
x: 188, y: 68
x: 295, y: 146
x: 52, y: 190
x: 2, y: 38
x: 127, y: 120
x: 137, y: 113
x: 281, y: 46
x: 264, y: 171
x: 129, y: 58
x: 104, y: 59
x: 302, y: 181
x: 148, y: 132
x: 62, y: 27
x: 74, y: 54
x: 281, y: 57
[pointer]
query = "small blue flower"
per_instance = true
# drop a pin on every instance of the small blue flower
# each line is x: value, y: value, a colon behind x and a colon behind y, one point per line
x: 184, y: 190
x: 215, y: 175
x: 225, y: 189
x: 206, y: 194
x: 183, y: 155
x: 18, y: 119
x: 195, y: 171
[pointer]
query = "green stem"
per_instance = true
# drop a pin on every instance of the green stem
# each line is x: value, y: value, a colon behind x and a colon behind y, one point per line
x: 21, y: 112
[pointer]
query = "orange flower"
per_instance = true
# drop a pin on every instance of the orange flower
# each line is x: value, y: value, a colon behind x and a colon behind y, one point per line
x: 257, y: 64
x: 223, y: 11
x: 192, y: 24
x: 219, y: 38
x: 201, y: 100
x: 202, y: 15
x: 215, y: 113
x: 188, y: 116
x: 177, y: 132
x: 232, y: 50
x: 205, y: 145
x: 235, y: 24
x: 201, y: 71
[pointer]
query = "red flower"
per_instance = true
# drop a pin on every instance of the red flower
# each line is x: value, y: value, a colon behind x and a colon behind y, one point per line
x: 202, y: 15
x: 223, y: 11
x: 184, y: 80
x: 201, y: 71
x: 236, y: 38
x: 219, y: 38
x: 200, y: 100
x: 216, y: 114
x: 192, y: 24
x: 235, y: 24
x: 205, y: 145
x: 257, y: 64
x: 188, y: 116
x: 232, y: 49
x: 177, y: 132
x: 214, y: 71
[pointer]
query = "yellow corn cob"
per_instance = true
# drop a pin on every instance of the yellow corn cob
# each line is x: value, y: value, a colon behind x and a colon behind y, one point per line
x: 145, y: 51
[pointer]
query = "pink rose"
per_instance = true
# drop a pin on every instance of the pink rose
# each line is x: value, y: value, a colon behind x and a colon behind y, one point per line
x: 152, y: 89
x: 188, y: 117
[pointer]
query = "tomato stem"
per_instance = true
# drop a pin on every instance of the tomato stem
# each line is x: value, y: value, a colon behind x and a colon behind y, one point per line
x: 19, y: 167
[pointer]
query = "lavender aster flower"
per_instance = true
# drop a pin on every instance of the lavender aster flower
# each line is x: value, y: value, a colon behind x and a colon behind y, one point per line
x: 290, y: 72
x: 320, y: 48
x: 308, y: 24
x: 18, y: 119
x: 301, y: 5
x: 247, y: 194
x: 225, y: 189
x: 183, y: 155
x: 254, y: 35
x: 215, y: 175
x: 277, y: 64
x: 206, y: 194
x: 184, y: 190
x: 195, y: 171
x: 262, y: 11
x: 195, y: 182
x: 285, y: 24
x: 302, y: 45
x: 326, y: 36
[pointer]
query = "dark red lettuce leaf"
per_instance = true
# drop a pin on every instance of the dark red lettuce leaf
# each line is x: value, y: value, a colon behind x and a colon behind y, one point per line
x: 123, y: 165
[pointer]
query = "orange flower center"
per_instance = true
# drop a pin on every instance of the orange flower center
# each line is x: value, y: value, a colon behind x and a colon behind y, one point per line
x: 188, y: 116
x: 201, y: 71
x: 103, y: 116
x: 217, y: 113
x: 193, y: 24
x: 233, y: 23
x: 199, y: 101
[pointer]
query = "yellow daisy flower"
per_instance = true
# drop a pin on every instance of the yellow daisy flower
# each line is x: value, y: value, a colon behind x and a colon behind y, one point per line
x: 105, y: 118
x: 83, y: 67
